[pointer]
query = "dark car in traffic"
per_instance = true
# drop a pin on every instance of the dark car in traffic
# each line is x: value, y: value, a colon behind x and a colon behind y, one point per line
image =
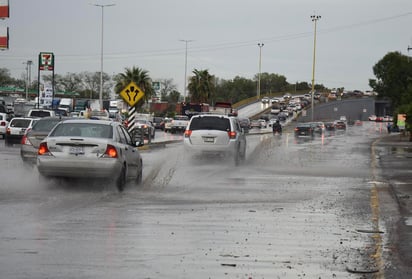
x: 157, y: 122
x: 245, y: 124
x: 304, y: 130
x: 33, y: 136
x: 329, y: 126
x: 340, y: 125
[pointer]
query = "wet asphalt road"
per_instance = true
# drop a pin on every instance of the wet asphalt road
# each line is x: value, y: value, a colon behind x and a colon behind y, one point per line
x: 294, y: 209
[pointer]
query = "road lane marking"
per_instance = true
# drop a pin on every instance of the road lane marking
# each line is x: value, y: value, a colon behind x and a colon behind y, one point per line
x: 375, y: 206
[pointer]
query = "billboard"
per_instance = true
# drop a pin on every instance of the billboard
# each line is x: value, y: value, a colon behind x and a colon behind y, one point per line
x: 401, y: 121
x: 4, y: 9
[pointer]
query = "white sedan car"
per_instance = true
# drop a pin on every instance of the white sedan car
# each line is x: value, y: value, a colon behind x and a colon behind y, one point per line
x: 86, y: 148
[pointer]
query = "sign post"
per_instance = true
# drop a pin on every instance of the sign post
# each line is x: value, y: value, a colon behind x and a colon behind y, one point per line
x: 131, y: 94
x: 46, y: 63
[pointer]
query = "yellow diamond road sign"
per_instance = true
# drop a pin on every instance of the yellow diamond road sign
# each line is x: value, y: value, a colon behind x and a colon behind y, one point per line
x: 131, y: 94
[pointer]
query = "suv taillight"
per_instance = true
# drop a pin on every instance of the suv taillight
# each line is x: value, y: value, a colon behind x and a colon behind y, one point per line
x: 188, y: 133
x: 232, y: 134
x: 3, y: 123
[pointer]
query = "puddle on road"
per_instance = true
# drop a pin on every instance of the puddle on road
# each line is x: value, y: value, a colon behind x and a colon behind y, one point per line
x: 400, y: 150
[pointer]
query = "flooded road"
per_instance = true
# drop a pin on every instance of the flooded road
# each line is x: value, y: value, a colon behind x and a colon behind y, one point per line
x: 293, y: 209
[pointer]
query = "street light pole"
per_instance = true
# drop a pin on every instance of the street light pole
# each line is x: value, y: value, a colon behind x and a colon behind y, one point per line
x: 101, y: 55
x: 184, y: 90
x: 314, y: 18
x: 260, y: 45
x: 28, y: 71
x: 29, y: 62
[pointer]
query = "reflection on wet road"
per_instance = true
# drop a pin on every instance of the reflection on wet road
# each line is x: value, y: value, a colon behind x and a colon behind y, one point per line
x: 292, y: 210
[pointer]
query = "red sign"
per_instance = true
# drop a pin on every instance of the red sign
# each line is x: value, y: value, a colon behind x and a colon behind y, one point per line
x: 4, y: 38
x: 4, y: 8
x: 46, y: 61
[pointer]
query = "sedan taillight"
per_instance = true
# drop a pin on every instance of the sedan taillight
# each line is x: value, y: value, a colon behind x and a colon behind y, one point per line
x: 25, y: 140
x: 111, y: 151
x: 43, y: 149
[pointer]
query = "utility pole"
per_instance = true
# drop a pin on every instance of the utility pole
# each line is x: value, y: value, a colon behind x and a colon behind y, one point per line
x: 260, y: 45
x: 101, y: 55
x: 28, y: 79
x: 409, y: 48
x: 314, y: 18
x: 185, y: 86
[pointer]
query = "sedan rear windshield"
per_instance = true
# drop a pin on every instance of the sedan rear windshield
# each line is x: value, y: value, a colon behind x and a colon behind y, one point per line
x: 87, y: 130
x: 210, y: 123
x: 45, y: 125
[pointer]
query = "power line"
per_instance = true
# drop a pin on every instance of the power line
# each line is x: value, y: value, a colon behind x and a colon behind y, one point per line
x: 217, y: 46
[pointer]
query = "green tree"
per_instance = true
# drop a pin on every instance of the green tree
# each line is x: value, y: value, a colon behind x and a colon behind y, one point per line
x: 71, y: 82
x: 239, y: 88
x: 167, y: 88
x: 91, y: 82
x: 201, y: 86
x: 272, y: 83
x: 174, y: 96
x: 393, y: 79
x: 5, y: 77
x: 137, y: 75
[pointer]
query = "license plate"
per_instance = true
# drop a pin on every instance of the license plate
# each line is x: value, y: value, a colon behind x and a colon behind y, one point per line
x: 76, y: 150
x: 208, y: 139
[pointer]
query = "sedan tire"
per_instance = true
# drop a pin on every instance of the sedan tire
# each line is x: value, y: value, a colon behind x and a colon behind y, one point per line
x: 121, y: 180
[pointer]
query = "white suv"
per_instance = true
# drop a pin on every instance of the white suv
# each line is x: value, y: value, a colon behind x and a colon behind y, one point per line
x: 16, y: 129
x: 217, y: 134
x: 38, y: 113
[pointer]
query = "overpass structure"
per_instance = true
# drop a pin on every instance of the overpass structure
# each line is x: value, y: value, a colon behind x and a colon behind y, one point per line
x: 353, y: 109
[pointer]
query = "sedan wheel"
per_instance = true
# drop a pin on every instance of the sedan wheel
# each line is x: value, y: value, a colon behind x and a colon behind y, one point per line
x: 121, y: 180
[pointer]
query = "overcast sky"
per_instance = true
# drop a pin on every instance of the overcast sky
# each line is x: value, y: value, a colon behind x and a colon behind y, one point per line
x: 352, y: 36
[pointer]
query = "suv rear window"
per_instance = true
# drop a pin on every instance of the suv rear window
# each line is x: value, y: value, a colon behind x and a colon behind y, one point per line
x: 210, y: 123
x: 20, y: 123
x: 40, y: 113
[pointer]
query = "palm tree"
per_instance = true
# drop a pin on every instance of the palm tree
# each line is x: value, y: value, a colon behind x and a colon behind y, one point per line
x: 201, y: 86
x: 138, y: 76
